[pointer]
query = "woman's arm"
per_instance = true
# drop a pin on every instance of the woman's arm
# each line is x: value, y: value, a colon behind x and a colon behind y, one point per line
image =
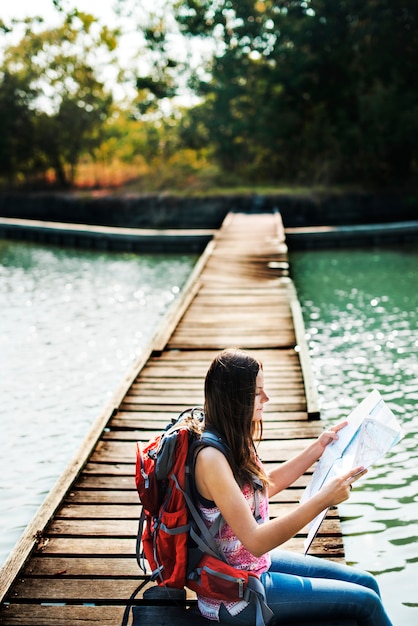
x: 215, y: 481
x: 286, y: 474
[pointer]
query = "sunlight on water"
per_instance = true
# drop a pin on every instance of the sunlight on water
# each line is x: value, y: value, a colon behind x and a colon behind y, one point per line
x: 360, y: 309
x: 72, y: 324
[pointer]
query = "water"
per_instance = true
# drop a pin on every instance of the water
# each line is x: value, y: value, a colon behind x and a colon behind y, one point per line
x: 360, y: 309
x: 72, y: 324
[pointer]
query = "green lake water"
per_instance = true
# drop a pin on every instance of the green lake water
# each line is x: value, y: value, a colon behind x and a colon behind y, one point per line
x: 360, y: 309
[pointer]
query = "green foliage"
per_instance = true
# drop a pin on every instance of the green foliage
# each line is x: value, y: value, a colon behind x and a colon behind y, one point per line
x: 314, y: 90
x: 16, y: 126
x: 50, y: 83
x: 159, y: 74
x: 296, y: 91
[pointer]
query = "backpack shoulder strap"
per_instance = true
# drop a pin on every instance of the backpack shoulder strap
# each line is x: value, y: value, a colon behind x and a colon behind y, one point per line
x: 199, y: 532
x: 213, y: 439
x: 208, y: 438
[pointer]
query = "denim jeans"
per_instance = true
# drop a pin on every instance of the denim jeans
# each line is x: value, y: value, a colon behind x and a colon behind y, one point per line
x: 312, y: 589
x: 306, y: 587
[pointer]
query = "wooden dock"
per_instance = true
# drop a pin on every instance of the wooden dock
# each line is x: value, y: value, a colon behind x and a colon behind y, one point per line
x: 75, y: 563
x: 141, y: 240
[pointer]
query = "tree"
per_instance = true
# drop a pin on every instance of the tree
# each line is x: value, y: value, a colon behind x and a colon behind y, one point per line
x: 310, y: 88
x: 66, y: 102
x: 16, y: 127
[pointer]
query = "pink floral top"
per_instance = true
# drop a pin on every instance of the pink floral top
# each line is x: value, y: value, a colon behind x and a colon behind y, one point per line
x: 236, y: 554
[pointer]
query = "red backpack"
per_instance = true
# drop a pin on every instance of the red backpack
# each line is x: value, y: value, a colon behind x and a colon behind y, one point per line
x: 181, y: 551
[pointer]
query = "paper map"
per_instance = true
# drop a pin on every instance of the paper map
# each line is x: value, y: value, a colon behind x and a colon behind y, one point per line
x: 372, y: 431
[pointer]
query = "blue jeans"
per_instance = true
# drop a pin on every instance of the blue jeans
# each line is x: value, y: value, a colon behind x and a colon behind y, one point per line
x: 306, y: 587
x: 312, y: 589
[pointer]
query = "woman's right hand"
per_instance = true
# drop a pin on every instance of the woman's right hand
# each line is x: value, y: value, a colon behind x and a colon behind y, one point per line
x: 338, y: 489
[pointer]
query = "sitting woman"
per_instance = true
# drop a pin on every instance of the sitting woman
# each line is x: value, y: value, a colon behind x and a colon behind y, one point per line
x: 297, y: 587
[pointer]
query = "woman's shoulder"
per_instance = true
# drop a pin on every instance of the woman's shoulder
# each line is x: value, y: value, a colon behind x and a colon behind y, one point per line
x: 211, y: 458
x: 212, y: 470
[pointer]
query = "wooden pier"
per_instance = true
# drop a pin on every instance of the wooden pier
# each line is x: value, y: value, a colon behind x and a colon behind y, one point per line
x: 110, y: 238
x: 75, y: 563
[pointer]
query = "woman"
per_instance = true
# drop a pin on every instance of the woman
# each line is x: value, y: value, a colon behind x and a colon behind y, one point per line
x: 296, y: 586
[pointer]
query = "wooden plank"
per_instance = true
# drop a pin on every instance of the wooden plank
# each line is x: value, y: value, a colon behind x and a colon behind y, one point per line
x: 87, y: 546
x: 305, y: 360
x: 74, y: 518
x: 94, y: 511
x: 81, y: 567
x: 102, y: 496
x: 175, y: 616
x: 123, y: 452
x: 111, y: 496
x: 155, y: 420
x: 80, y: 590
x: 188, y: 293
x: 271, y: 430
x: 286, y: 405
x: 109, y: 615
x: 222, y: 340
x: 156, y: 394
x: 94, y: 528
x: 127, y: 529
x: 103, y: 482
x: 38, y: 615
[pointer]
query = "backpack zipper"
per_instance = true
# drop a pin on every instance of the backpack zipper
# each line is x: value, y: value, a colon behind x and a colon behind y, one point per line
x: 238, y: 580
x: 143, y: 472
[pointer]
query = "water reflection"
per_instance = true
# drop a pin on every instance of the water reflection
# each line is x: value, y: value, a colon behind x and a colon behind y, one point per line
x: 72, y: 324
x: 360, y: 309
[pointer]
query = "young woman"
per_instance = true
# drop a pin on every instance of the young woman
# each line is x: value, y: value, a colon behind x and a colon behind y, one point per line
x: 296, y: 586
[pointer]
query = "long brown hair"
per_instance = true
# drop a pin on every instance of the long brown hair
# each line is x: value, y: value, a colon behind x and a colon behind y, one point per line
x: 230, y: 388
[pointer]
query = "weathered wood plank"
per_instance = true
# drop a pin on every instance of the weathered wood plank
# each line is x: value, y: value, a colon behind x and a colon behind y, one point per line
x: 178, y: 383
x: 284, y: 405
x: 38, y: 615
x: 126, y: 483
x: 222, y: 340
x: 152, y: 420
x: 60, y: 589
x: 102, y: 496
x: 160, y: 398
x: 90, y: 547
x: 105, y: 615
x: 124, y: 451
x: 94, y: 528
x: 77, y: 567
x: 175, y: 616
x: 328, y: 542
x: 117, y: 513
x: 271, y: 430
x: 100, y: 510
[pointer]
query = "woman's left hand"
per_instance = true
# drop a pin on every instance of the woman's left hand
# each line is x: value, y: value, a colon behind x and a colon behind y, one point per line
x: 330, y: 435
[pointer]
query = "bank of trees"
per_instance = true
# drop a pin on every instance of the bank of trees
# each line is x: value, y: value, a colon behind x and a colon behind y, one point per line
x: 311, y: 91
x: 53, y: 107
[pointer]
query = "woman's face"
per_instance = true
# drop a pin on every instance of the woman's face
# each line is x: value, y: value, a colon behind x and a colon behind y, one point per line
x: 260, y: 397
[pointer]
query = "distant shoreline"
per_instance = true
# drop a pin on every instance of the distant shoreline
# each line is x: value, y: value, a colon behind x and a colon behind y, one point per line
x: 169, y: 223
